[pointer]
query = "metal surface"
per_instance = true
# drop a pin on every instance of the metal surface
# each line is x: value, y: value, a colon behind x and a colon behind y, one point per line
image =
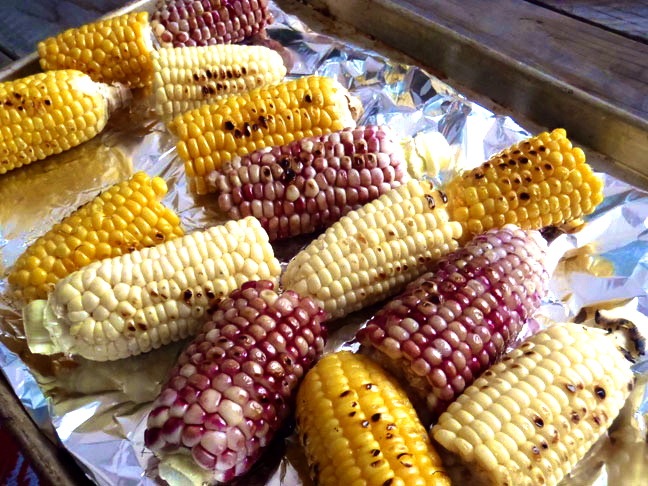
x: 464, y: 41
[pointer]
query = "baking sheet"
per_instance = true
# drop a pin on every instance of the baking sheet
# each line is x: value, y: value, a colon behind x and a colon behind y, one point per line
x: 98, y: 410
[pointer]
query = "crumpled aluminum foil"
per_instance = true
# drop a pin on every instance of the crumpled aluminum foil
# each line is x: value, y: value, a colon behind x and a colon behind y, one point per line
x: 98, y: 410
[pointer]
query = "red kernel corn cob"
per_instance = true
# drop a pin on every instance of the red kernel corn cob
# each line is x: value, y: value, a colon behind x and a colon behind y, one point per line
x: 233, y: 386
x: 124, y: 218
x: 357, y: 426
x: 181, y: 23
x: 308, y: 184
x: 531, y: 417
x: 375, y: 251
x: 450, y: 325
x: 273, y: 115
x: 535, y: 183
x: 114, y: 50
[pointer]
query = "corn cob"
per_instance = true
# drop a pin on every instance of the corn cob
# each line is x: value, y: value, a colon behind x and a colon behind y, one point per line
x: 182, y: 23
x: 310, y: 183
x: 124, y: 218
x: 358, y: 427
x: 450, y: 325
x: 264, y: 117
x: 373, y: 252
x: 535, y: 183
x: 534, y: 415
x: 114, y: 50
x: 136, y: 302
x: 47, y: 113
x: 232, y: 387
x: 187, y: 78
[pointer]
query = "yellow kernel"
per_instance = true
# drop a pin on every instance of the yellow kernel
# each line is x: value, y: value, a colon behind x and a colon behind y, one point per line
x: 38, y: 276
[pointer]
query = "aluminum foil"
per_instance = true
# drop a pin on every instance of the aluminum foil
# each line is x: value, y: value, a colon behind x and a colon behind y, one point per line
x: 98, y: 410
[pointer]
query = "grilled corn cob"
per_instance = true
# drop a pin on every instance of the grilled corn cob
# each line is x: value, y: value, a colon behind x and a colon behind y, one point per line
x: 127, y: 305
x: 47, y: 113
x: 451, y: 324
x: 187, y: 78
x: 358, y: 427
x: 124, y: 218
x: 233, y: 386
x: 264, y: 117
x: 310, y: 183
x: 183, y: 23
x: 373, y: 252
x: 535, y: 183
x: 114, y: 50
x: 534, y: 415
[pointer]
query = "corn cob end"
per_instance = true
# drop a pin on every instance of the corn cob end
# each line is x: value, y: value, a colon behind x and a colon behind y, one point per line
x: 38, y: 319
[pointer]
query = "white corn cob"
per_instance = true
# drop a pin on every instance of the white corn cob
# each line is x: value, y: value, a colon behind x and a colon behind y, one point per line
x: 531, y: 417
x: 373, y: 252
x: 188, y: 77
x: 139, y: 301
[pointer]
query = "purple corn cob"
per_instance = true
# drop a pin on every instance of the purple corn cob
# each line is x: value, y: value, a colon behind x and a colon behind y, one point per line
x: 450, y: 325
x: 180, y: 23
x: 233, y: 385
x: 307, y: 185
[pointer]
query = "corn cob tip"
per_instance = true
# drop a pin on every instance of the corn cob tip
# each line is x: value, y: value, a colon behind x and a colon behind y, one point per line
x: 181, y: 469
x: 427, y: 153
x: 40, y: 325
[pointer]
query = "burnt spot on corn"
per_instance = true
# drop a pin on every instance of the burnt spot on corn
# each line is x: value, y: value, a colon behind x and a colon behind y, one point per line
x: 375, y: 452
x: 229, y: 125
x: 391, y: 426
x: 430, y: 201
x: 575, y: 416
x: 142, y: 326
x: 376, y: 463
x: 388, y: 482
x: 375, y: 417
x: 365, y: 423
x: 524, y: 196
x: 570, y: 388
x: 600, y: 392
x: 308, y: 98
x: 352, y: 414
x: 537, y: 420
x: 345, y: 393
x: 443, y: 196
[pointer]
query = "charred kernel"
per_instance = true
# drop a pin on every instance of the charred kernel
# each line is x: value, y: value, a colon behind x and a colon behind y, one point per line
x: 345, y: 393
x: 352, y: 414
x: 229, y: 125
x: 571, y: 388
x: 365, y: 423
x: 388, y: 482
x: 188, y: 294
x: 600, y: 392
x: 375, y: 417
x: 537, y: 420
x: 375, y: 452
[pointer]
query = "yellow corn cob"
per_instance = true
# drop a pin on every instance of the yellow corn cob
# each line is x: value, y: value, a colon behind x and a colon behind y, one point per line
x: 373, y: 252
x: 264, y: 117
x: 124, y: 218
x: 530, y: 418
x: 535, y: 183
x: 188, y: 77
x: 127, y: 305
x: 47, y: 113
x: 358, y: 427
x: 115, y: 50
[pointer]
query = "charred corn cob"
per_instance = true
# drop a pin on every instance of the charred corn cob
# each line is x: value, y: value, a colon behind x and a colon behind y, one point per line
x: 357, y: 426
x: 373, y: 252
x: 47, y: 113
x: 451, y: 324
x: 233, y: 386
x: 530, y: 418
x: 114, y: 50
x: 310, y: 183
x: 127, y: 305
x: 183, y: 23
x: 187, y: 78
x: 264, y: 117
x: 124, y: 218
x: 538, y: 182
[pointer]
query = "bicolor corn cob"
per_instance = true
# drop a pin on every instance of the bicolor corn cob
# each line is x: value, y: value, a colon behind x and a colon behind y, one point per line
x: 189, y: 77
x: 126, y: 217
x: 375, y: 251
x: 182, y: 23
x: 240, y: 124
x: 535, y: 183
x: 451, y: 324
x: 310, y: 183
x: 530, y: 418
x: 233, y: 386
x: 114, y: 50
x: 357, y: 426
x: 47, y: 113
x: 127, y: 305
